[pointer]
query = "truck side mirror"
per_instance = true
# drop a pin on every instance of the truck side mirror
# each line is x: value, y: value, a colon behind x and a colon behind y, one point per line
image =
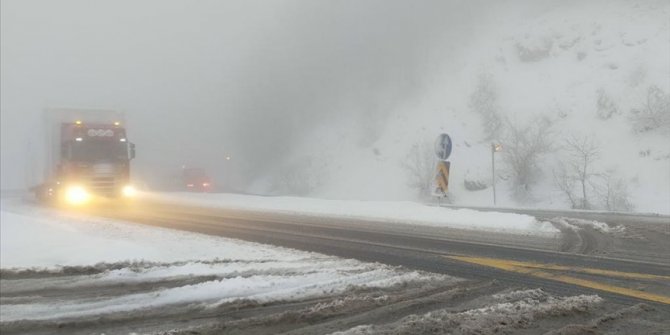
x: 132, y: 150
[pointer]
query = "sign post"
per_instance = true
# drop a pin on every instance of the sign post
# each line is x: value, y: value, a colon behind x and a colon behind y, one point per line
x: 443, y: 147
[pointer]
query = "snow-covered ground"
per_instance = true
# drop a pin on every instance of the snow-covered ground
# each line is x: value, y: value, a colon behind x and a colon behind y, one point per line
x: 112, y: 254
x: 403, y: 212
x: 505, y: 309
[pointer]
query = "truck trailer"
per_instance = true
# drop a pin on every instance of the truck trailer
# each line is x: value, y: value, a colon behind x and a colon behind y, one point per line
x: 88, y: 156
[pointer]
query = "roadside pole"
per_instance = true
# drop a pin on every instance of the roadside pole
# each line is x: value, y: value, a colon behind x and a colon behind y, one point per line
x: 494, y: 148
x: 493, y: 172
x: 443, y: 147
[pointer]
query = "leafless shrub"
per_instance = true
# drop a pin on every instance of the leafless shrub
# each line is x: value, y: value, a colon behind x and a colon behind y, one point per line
x: 605, y: 106
x: 477, y: 178
x: 523, y: 147
x: 484, y: 101
x: 534, y: 50
x: 420, y: 166
x: 474, y: 185
x: 614, y: 194
x: 654, y: 112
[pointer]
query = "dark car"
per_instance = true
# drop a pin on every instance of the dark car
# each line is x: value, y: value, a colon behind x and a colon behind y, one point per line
x: 196, y: 180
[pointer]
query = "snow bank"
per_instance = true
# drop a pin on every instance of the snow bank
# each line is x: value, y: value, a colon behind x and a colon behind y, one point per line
x: 505, y: 313
x: 46, y: 238
x: 602, y: 227
x: 404, y: 212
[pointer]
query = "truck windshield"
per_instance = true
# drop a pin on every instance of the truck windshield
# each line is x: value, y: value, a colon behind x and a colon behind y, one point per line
x: 99, y: 150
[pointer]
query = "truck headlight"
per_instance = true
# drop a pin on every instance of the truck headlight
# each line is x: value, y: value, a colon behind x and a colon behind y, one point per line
x: 129, y: 191
x: 76, y: 195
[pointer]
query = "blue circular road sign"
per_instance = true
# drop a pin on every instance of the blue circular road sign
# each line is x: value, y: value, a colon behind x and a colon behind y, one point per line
x: 443, y: 146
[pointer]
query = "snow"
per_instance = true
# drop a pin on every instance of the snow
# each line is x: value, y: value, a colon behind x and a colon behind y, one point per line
x: 403, y: 212
x: 49, y: 238
x: 317, y: 281
x: 602, y: 227
x: 225, y: 270
x: 505, y: 311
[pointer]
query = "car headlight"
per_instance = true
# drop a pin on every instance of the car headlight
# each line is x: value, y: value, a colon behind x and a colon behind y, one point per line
x: 76, y: 195
x: 129, y: 191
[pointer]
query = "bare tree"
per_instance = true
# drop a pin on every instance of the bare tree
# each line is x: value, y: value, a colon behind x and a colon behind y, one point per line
x: 583, y: 152
x: 566, y: 183
x: 585, y: 187
x: 523, y: 146
x: 614, y: 194
x: 420, y: 165
x: 654, y: 112
x: 484, y: 101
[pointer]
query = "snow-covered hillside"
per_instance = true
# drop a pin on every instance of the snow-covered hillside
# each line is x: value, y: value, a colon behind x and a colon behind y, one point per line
x: 584, y: 66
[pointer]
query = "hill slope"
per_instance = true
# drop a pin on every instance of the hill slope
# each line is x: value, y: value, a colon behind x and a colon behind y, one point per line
x: 583, y: 67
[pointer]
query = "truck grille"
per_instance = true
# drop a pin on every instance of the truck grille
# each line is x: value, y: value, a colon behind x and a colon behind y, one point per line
x: 103, y: 169
x: 102, y: 180
x: 103, y: 185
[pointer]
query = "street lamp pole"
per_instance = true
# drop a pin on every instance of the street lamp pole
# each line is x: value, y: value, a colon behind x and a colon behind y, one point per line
x: 494, y: 148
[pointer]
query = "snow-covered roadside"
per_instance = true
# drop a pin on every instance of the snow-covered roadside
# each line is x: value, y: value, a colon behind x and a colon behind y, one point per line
x: 404, y: 212
x: 503, y: 314
x: 213, y: 270
x: 577, y: 224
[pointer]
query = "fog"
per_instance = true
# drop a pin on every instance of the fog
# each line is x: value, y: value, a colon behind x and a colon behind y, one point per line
x: 202, y: 80
x: 332, y: 98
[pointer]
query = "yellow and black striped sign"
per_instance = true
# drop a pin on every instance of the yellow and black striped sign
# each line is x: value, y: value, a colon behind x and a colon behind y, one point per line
x: 443, y: 176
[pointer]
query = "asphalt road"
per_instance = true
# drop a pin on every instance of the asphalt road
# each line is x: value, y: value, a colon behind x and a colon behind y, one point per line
x: 525, y: 262
x: 609, y: 217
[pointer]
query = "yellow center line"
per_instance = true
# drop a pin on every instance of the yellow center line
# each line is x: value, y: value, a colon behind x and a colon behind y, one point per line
x: 534, y: 269
x: 607, y: 273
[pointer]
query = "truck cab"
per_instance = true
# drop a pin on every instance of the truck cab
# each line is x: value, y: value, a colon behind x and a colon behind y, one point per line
x: 89, y: 160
